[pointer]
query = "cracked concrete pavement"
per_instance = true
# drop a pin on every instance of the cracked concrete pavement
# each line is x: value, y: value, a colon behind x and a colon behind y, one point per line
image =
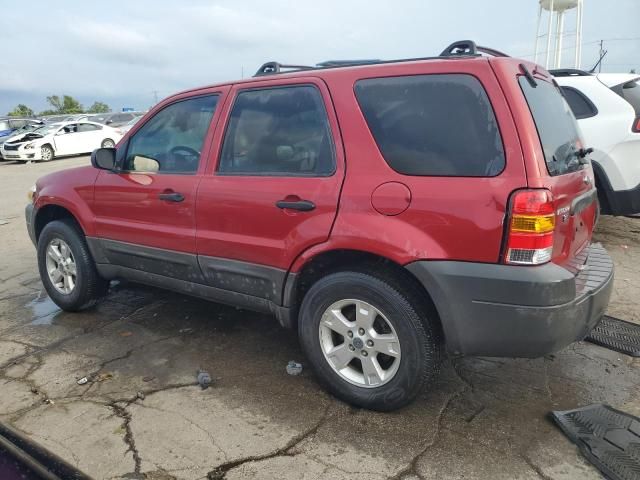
x: 141, y: 414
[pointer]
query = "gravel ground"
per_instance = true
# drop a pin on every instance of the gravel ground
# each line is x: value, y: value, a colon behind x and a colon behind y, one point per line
x: 141, y: 416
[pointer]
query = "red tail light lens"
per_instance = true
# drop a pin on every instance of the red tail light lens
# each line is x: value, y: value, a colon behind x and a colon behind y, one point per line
x: 531, y: 226
x: 636, y: 125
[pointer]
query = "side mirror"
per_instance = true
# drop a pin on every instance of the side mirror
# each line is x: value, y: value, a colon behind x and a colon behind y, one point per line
x: 104, y: 158
x: 108, y: 122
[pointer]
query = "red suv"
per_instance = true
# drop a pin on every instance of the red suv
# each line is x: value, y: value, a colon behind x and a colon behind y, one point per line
x: 387, y: 210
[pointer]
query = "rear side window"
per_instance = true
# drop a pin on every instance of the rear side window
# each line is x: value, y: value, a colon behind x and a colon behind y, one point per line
x: 278, y: 131
x: 436, y: 125
x: 556, y: 125
x: 580, y: 105
x: 88, y: 127
x: 630, y: 91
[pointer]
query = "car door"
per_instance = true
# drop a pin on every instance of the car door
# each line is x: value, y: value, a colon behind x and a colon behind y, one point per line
x: 67, y: 140
x: 89, y: 136
x: 145, y: 211
x: 273, y: 190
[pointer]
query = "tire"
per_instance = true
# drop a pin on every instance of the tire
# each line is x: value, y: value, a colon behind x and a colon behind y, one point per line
x: 108, y: 143
x: 417, y: 347
x: 88, y: 285
x: 46, y: 153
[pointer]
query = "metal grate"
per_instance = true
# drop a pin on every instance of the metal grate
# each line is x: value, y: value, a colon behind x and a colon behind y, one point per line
x: 617, y: 335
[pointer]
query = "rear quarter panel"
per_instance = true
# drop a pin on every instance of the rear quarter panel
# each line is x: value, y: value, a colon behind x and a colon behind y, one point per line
x: 453, y: 218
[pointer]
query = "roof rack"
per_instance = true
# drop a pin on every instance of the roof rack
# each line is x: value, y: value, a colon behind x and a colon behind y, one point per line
x: 275, y: 67
x: 345, y: 63
x: 456, y: 49
x: 469, y: 47
x: 569, y: 72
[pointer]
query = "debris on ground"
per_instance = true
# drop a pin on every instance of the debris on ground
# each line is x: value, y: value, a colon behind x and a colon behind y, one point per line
x: 3, y: 222
x: 140, y: 396
x: 148, y: 379
x: 126, y: 334
x: 185, y: 330
x: 82, y: 381
x: 104, y: 376
x: 204, y: 379
x: 294, y: 368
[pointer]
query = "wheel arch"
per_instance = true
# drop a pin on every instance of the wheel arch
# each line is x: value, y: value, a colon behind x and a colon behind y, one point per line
x: 50, y: 212
x: 330, y: 261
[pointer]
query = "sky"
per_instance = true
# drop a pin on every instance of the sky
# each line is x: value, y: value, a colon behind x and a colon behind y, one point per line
x: 125, y: 52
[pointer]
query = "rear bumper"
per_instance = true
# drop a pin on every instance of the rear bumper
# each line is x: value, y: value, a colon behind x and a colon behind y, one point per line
x: 513, y: 311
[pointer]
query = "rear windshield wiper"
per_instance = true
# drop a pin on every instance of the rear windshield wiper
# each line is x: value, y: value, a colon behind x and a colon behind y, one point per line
x: 582, y: 154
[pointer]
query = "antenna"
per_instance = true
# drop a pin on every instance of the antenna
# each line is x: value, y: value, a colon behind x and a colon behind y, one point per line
x: 598, y: 65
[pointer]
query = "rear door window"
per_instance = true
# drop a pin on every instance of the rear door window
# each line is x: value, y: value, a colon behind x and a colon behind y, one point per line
x: 556, y: 125
x: 580, y: 105
x: 435, y: 125
x: 278, y: 131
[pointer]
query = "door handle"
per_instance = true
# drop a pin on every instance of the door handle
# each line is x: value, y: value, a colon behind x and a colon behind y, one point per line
x: 301, y: 205
x: 171, y: 196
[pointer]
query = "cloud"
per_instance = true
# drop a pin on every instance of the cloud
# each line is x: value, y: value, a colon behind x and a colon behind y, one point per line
x: 125, y: 50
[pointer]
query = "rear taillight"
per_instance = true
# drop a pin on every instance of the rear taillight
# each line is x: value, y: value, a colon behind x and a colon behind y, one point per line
x: 531, y: 224
x: 636, y: 125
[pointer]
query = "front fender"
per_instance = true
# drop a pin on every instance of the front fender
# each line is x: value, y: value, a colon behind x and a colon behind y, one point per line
x: 70, y: 189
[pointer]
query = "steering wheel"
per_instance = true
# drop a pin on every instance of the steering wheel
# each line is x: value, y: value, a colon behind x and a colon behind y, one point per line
x: 182, y: 159
x: 188, y: 150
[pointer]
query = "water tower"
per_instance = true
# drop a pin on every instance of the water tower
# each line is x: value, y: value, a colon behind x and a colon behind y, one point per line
x: 557, y: 9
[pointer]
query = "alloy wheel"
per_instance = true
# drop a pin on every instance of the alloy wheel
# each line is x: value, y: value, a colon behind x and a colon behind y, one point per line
x: 359, y: 343
x: 61, y: 266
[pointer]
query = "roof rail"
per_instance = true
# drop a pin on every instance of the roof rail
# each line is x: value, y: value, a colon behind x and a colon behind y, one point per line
x: 275, y: 67
x: 461, y: 47
x: 346, y: 63
x: 456, y: 49
x: 569, y: 72
x: 469, y: 47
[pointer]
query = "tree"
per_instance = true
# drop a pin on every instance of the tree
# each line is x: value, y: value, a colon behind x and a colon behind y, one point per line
x: 66, y: 104
x: 21, y: 110
x: 99, y: 107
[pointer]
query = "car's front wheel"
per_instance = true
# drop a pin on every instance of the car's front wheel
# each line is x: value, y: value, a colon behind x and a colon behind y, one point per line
x: 369, y: 343
x: 66, y: 267
x: 46, y: 153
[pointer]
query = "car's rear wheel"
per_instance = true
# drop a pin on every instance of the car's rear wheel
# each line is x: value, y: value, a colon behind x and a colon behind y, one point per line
x: 66, y: 267
x: 46, y: 153
x: 369, y: 344
x: 108, y: 143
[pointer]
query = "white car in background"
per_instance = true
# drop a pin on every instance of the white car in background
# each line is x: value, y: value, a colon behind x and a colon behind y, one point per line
x: 607, y: 106
x: 59, y: 139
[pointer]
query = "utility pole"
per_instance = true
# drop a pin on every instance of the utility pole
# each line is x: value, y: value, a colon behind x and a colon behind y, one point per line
x: 155, y: 96
x: 601, y: 56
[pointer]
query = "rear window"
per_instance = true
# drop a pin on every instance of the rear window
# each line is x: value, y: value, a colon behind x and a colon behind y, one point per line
x: 556, y: 125
x: 436, y: 125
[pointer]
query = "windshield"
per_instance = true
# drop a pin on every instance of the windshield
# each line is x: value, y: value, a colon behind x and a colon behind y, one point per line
x: 557, y: 127
x: 46, y: 129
